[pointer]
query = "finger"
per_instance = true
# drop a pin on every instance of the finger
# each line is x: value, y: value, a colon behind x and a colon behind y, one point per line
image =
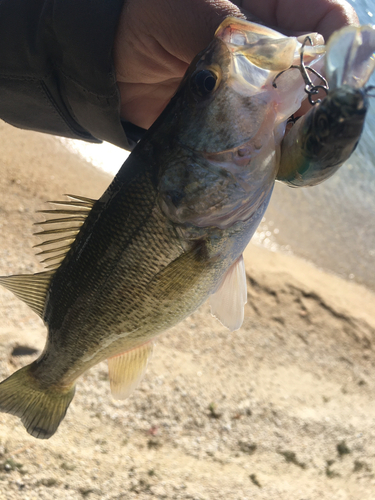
x: 323, y: 16
x: 194, y: 23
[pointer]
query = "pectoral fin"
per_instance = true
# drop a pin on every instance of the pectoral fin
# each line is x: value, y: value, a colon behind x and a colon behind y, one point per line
x: 228, y: 302
x: 127, y: 370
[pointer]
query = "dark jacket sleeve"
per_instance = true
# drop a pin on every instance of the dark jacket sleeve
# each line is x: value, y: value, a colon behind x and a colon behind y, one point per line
x: 56, y: 69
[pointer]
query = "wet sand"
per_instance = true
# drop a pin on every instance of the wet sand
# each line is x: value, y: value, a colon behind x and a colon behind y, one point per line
x: 281, y: 409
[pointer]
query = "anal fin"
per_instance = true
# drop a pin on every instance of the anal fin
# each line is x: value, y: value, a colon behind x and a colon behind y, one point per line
x: 126, y: 370
x: 227, y: 303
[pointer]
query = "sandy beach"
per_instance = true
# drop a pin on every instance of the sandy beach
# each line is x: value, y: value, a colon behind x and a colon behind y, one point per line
x: 281, y: 409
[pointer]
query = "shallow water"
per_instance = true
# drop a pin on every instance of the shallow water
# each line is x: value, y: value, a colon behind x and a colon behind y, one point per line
x: 332, y: 225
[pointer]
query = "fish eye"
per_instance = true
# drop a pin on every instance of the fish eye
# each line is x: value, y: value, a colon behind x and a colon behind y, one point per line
x: 203, y: 82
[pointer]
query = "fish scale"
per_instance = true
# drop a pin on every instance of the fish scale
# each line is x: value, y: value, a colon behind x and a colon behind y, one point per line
x: 122, y: 305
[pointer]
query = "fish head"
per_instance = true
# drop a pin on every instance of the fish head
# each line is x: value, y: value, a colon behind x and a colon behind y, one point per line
x: 227, y: 94
x: 228, y: 119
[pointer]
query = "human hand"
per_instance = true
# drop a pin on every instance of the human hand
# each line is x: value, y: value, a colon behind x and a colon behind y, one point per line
x: 156, y: 41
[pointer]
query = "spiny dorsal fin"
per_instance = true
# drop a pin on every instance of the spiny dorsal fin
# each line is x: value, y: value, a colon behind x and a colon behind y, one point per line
x: 127, y: 370
x: 82, y: 200
x: 78, y: 209
x: 228, y: 302
x: 31, y: 288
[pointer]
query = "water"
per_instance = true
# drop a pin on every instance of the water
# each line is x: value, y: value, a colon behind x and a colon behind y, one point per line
x: 104, y: 156
x: 332, y: 225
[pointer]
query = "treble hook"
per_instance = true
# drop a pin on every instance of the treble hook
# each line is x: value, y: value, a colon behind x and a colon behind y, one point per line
x: 310, y: 88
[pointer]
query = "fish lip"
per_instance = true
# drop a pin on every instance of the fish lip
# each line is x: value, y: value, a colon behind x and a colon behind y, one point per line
x: 265, y: 47
x: 247, y: 26
x: 260, y: 46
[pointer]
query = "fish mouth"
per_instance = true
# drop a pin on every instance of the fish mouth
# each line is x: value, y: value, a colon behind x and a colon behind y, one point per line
x: 262, y: 46
x: 259, y: 49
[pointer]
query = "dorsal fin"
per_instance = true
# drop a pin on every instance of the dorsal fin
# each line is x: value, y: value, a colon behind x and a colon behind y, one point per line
x: 78, y: 209
x: 126, y: 370
x: 31, y: 288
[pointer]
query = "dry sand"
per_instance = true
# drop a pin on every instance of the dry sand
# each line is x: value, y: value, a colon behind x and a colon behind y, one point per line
x: 281, y: 409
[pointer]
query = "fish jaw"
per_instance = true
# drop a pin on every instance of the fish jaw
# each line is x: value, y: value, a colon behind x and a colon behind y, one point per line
x: 259, y: 54
x: 267, y: 48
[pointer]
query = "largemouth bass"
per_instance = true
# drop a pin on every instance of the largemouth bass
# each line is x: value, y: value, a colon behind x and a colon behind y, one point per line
x: 170, y: 230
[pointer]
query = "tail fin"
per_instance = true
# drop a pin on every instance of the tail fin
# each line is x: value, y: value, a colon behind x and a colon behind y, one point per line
x: 40, y: 409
